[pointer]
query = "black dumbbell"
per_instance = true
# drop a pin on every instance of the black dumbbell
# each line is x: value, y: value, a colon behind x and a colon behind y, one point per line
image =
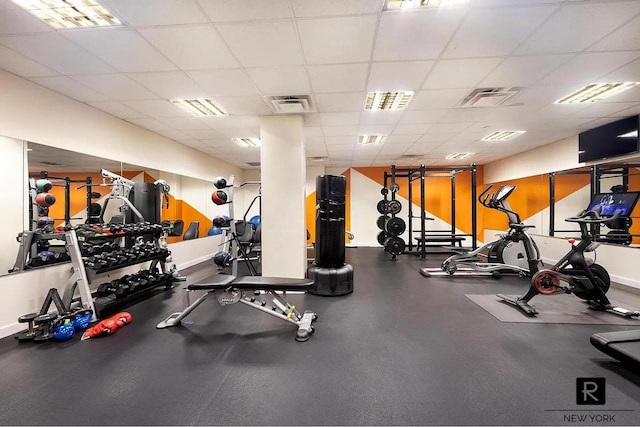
x: 44, y: 323
x: 105, y: 289
x: 31, y: 332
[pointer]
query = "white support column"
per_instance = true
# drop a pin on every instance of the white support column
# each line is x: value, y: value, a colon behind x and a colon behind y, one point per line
x: 283, y: 177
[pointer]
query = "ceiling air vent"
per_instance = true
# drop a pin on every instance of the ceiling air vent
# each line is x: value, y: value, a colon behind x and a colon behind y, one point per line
x: 411, y: 157
x: 294, y: 104
x: 487, y: 97
x: 254, y: 164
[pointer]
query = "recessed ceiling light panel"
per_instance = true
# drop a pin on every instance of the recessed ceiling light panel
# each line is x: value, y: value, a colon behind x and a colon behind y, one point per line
x: 503, y: 135
x: 199, y: 107
x: 595, y: 92
x: 388, y: 100
x: 408, y: 4
x: 371, y: 139
x: 458, y: 156
x: 248, y: 142
x: 69, y: 13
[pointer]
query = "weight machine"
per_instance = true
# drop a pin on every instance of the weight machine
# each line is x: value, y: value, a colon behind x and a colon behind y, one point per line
x: 394, y: 244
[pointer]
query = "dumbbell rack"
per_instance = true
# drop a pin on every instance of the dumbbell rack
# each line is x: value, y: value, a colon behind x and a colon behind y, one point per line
x: 83, y: 275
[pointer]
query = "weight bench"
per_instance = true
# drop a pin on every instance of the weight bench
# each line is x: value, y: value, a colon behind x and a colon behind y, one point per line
x: 249, y: 290
x: 436, y: 238
x: 623, y: 345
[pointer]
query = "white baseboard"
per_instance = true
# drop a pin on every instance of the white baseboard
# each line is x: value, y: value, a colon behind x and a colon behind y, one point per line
x: 11, y: 329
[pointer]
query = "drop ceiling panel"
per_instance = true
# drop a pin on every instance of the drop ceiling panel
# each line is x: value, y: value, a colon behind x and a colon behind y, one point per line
x: 375, y: 129
x: 394, y: 149
x: 437, y: 99
x: 117, y: 109
x: 523, y: 70
x: 118, y: 86
x: 339, y: 102
x: 577, y: 26
x: 70, y: 88
x: 140, y: 13
x: 16, y: 20
x: 340, y: 119
x: 402, y: 139
x: 312, y: 132
x: 314, y: 141
x: 306, y: 8
x: 244, y: 105
x: 627, y: 73
x: 280, y: 80
x: 338, y: 78
x: 216, y: 122
x: 626, y: 37
x: 417, y: 129
x: 380, y: 117
x: 340, y: 142
x: 204, y: 134
x: 124, y: 49
x: 245, y: 10
x: 418, y: 34
x: 495, y: 32
x: 336, y: 40
x: 460, y: 73
x: 227, y: 82
x: 393, y: 76
x: 57, y: 53
x: 311, y: 119
x: 21, y: 65
x: 157, y: 108
x: 467, y: 115
x: 589, y: 67
x: 176, y: 135
x: 193, y: 47
x: 184, y: 123
x: 340, y: 131
x: 422, y: 116
x: 169, y: 84
x: 263, y: 44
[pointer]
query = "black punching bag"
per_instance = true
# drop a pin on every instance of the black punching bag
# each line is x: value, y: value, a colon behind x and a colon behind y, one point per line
x: 330, y: 220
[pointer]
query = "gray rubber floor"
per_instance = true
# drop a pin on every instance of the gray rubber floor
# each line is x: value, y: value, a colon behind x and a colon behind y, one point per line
x: 400, y: 350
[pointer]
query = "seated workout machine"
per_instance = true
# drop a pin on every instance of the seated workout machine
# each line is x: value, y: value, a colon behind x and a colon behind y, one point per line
x: 622, y: 345
x: 252, y: 291
x: 575, y: 274
x: 514, y: 252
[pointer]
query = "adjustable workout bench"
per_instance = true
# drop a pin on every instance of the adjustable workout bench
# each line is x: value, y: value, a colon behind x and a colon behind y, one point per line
x: 249, y: 290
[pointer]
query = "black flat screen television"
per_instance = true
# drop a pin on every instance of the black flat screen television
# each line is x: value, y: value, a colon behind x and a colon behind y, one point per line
x: 611, y: 140
x: 607, y: 204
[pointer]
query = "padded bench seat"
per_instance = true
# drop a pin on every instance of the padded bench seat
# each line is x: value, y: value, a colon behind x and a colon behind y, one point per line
x: 255, y: 283
x: 622, y: 345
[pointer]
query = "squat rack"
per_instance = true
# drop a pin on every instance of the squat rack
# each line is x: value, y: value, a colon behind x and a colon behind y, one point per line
x: 413, y: 174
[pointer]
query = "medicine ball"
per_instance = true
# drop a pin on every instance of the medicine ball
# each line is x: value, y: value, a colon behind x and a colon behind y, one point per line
x: 219, y: 197
x: 214, y: 231
x: 220, y: 182
x: 43, y: 185
x: 255, y: 221
x: 220, y: 221
x: 45, y: 199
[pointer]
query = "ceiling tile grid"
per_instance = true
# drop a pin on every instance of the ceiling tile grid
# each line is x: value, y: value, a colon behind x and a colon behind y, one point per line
x: 240, y: 52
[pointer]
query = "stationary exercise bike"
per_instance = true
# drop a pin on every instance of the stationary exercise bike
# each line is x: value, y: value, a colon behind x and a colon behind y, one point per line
x: 576, y: 274
x: 514, y: 252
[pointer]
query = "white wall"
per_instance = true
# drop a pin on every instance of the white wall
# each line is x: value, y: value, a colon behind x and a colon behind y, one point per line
x: 554, y: 157
x: 14, y: 215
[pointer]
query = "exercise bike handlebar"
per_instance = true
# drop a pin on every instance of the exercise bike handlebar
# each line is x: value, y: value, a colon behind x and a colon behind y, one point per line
x: 593, y: 217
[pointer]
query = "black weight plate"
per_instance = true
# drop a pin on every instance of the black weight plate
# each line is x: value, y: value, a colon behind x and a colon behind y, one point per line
x: 384, y: 191
x: 394, y: 245
x: 382, y: 237
x: 383, y: 206
x: 394, y: 207
x: 382, y: 220
x: 396, y: 226
x: 395, y: 188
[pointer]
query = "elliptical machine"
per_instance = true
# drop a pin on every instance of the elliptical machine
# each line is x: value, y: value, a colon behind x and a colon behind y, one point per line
x: 574, y: 273
x: 514, y: 252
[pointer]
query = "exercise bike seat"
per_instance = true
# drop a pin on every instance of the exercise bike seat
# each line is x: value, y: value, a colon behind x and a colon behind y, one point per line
x: 272, y: 283
x: 221, y: 281
x: 520, y: 226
